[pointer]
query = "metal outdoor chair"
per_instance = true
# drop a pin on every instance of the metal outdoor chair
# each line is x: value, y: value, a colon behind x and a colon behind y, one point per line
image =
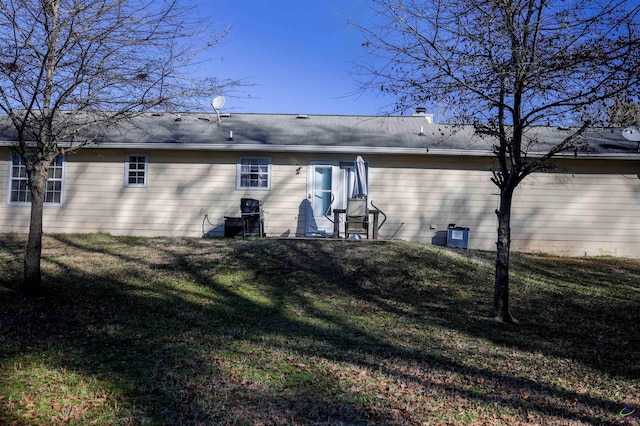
x: 357, y: 218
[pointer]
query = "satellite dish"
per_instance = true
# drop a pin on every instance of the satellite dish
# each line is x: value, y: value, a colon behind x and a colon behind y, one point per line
x: 631, y: 134
x: 217, y: 102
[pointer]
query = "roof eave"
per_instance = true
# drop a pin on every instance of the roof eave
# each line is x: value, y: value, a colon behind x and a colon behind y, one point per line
x: 344, y: 149
x: 350, y: 149
x: 589, y: 155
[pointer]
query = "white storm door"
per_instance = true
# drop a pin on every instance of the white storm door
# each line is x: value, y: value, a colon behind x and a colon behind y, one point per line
x: 322, y: 194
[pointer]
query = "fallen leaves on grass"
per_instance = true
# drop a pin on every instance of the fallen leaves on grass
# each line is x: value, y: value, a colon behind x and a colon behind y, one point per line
x: 189, y: 331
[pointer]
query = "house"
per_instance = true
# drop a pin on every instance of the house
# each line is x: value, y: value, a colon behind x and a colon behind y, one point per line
x: 181, y: 174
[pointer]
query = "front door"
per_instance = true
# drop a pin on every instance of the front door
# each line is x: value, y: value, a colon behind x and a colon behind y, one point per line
x: 322, y: 193
x: 329, y: 185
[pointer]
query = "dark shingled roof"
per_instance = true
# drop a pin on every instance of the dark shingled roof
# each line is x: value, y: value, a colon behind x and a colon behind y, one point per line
x: 333, y: 133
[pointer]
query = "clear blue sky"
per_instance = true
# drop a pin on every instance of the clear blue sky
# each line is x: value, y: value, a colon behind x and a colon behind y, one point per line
x: 299, y: 56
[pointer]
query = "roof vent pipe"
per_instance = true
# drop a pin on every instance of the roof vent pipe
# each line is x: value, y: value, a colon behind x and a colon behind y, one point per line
x: 421, y: 112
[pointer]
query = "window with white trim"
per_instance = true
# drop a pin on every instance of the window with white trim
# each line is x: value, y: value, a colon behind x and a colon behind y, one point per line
x: 136, y: 171
x: 20, y: 193
x: 254, y: 173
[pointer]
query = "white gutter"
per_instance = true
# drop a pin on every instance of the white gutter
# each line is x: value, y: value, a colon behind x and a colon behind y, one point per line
x: 293, y: 148
x: 236, y: 147
x: 588, y: 156
x: 346, y: 150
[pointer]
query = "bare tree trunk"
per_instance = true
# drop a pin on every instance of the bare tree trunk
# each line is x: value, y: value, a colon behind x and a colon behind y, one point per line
x: 503, y: 246
x: 32, y: 275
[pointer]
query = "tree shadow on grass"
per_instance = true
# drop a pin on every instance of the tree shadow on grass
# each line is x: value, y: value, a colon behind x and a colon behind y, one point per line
x: 156, y: 346
x: 577, y: 310
x: 553, y: 296
x: 233, y: 332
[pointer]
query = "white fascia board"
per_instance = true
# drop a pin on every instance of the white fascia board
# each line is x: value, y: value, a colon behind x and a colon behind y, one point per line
x: 251, y: 147
x: 588, y: 156
x: 292, y: 148
x: 339, y: 150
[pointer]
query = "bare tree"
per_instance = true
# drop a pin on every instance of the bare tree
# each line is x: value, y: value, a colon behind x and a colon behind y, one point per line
x: 506, y: 66
x: 69, y: 69
x: 623, y: 112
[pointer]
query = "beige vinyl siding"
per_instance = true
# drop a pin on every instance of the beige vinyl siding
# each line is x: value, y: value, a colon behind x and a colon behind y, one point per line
x: 97, y: 198
x: 423, y: 195
x: 282, y: 202
x: 592, y: 207
x: 5, y: 164
x: 182, y: 188
x: 580, y: 213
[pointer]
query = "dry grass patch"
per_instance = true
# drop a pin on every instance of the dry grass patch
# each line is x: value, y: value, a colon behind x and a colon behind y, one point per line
x: 190, y: 331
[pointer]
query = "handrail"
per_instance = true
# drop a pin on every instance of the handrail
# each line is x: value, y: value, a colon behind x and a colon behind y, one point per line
x: 326, y: 212
x: 381, y: 212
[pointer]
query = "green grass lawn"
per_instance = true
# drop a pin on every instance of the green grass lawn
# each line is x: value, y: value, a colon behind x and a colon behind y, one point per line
x: 197, y: 331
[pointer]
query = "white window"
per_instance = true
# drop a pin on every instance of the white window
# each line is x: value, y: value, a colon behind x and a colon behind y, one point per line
x: 254, y: 173
x: 136, y: 171
x: 20, y: 193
